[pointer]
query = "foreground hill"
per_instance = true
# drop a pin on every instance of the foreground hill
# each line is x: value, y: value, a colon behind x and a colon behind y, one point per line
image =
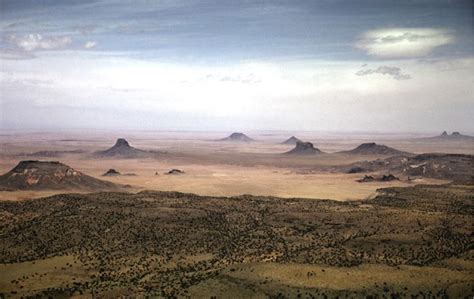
x: 406, y: 242
x: 374, y: 149
x: 45, y: 175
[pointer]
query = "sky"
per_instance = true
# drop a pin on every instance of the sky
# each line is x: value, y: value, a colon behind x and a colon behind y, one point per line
x: 229, y: 65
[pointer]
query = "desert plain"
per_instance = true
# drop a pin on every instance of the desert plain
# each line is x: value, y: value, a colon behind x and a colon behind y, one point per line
x: 195, y: 216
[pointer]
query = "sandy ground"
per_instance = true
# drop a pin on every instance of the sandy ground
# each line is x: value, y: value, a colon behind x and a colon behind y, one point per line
x: 220, y: 168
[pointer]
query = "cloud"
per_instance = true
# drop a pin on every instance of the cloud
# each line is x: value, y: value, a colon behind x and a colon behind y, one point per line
x: 36, y: 42
x: 90, y: 44
x: 394, y: 72
x: 403, y: 42
x: 12, y: 54
x: 85, y: 29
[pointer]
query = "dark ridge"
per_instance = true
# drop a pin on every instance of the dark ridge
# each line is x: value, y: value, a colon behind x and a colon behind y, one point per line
x: 43, y: 175
x: 304, y: 148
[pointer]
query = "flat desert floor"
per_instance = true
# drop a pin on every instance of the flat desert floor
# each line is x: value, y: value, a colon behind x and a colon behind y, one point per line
x: 252, y: 221
x: 217, y: 168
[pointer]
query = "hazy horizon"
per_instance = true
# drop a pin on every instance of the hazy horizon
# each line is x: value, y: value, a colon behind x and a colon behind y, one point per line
x: 323, y: 66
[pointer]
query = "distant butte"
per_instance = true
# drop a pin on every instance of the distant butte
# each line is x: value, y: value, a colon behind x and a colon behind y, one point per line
x: 374, y: 149
x: 237, y: 137
x: 292, y: 140
x: 44, y: 175
x: 304, y: 148
x: 122, y: 149
x: 455, y: 136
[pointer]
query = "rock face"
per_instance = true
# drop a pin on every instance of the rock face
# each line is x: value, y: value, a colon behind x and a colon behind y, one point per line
x: 237, y: 137
x: 122, y: 149
x: 111, y: 172
x: 292, y: 140
x: 304, y: 148
x: 43, y: 175
x: 375, y: 149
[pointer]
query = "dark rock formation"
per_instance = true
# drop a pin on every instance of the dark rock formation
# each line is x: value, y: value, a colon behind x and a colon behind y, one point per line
x: 304, y: 148
x: 112, y: 172
x: 389, y: 177
x: 175, y: 171
x: 367, y: 178
x: 292, y: 140
x: 43, y: 175
x: 384, y: 178
x: 122, y: 149
x: 237, y: 137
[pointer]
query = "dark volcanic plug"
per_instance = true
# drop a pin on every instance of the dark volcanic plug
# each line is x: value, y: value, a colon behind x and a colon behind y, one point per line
x: 44, y: 175
x: 122, y: 149
x: 237, y: 137
x: 375, y: 149
x: 292, y: 140
x: 304, y: 148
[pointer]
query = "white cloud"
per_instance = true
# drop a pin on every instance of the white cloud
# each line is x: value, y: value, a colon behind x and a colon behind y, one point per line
x: 322, y: 95
x: 403, y: 42
x: 35, y: 42
x: 393, y: 71
x: 90, y: 44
